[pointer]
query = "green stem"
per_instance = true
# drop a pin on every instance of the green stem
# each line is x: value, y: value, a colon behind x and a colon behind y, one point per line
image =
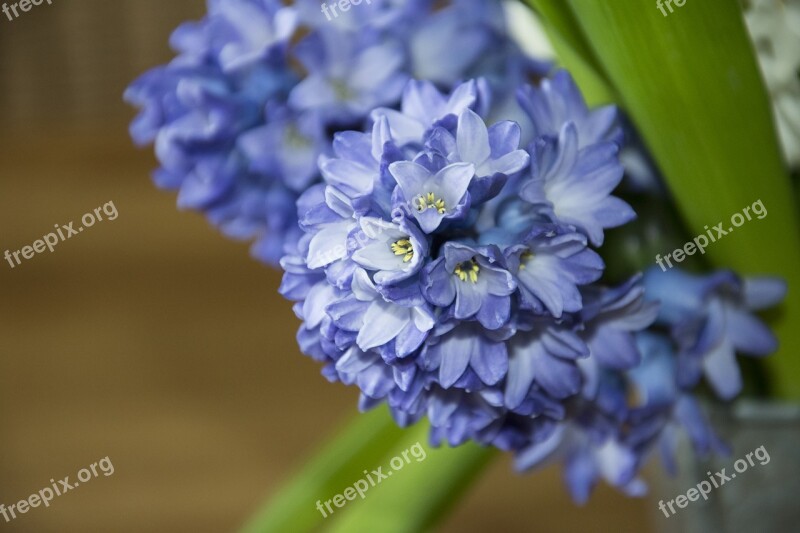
x: 416, y: 497
x: 364, y: 442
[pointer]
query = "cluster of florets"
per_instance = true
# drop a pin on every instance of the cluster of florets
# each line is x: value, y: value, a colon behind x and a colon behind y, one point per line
x: 241, y: 115
x: 447, y: 271
x: 445, y: 260
x: 451, y: 273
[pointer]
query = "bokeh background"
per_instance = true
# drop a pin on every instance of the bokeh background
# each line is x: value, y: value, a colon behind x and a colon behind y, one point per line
x: 152, y: 339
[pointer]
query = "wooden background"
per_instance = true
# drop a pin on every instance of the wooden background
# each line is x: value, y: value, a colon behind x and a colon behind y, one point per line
x: 152, y: 339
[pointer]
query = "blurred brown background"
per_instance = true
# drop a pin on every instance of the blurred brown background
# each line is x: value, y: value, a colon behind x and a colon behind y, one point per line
x: 152, y: 339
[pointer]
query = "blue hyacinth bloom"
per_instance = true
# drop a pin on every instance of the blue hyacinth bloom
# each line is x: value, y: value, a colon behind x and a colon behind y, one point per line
x: 589, y: 454
x: 433, y: 197
x: 438, y: 221
x: 666, y: 411
x: 711, y: 319
x: 393, y: 251
x: 550, y: 264
x: 346, y: 79
x: 558, y: 101
x: 241, y: 116
x: 473, y: 281
x: 443, y: 287
x: 573, y: 185
x: 465, y: 356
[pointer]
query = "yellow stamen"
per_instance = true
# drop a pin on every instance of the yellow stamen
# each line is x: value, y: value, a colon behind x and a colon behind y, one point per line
x: 403, y: 247
x: 524, y: 258
x: 429, y: 201
x: 468, y: 270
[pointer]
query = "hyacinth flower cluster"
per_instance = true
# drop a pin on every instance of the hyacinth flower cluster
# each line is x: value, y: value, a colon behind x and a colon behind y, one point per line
x: 452, y: 273
x: 446, y: 257
x: 241, y: 115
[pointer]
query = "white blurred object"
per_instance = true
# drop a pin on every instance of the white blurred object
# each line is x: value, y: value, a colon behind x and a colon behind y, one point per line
x: 527, y: 31
x: 775, y: 28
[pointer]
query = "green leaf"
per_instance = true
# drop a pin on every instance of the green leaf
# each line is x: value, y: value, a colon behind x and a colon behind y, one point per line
x: 691, y: 84
x: 365, y: 442
x: 573, y: 50
x: 417, y: 496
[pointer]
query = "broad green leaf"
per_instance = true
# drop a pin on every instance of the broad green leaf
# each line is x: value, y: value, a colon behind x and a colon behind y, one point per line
x: 573, y: 50
x: 691, y: 84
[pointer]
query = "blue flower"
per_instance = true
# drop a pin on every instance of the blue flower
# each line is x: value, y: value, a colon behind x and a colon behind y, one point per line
x: 441, y: 278
x: 466, y: 356
x: 346, y: 79
x: 331, y: 216
x: 474, y: 279
x: 457, y: 416
x: 545, y: 355
x: 433, y: 197
x: 296, y: 140
x: 241, y: 116
x: 424, y: 107
x: 375, y: 18
x: 665, y: 410
x: 550, y: 264
x: 442, y: 258
x: 710, y: 318
x: 573, y: 185
x: 441, y: 289
x: 613, y: 316
x: 493, y: 151
x: 367, y: 371
x: 230, y: 66
x: 392, y: 251
x: 378, y: 321
x: 591, y: 449
x: 237, y: 34
x: 558, y: 101
x: 455, y: 27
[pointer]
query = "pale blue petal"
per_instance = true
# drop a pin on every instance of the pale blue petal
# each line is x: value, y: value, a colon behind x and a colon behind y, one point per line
x: 472, y: 138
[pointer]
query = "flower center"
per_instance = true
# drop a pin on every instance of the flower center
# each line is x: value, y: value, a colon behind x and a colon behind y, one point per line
x: 467, y: 270
x: 429, y: 201
x: 341, y: 90
x: 524, y: 258
x: 403, y: 247
x: 295, y: 139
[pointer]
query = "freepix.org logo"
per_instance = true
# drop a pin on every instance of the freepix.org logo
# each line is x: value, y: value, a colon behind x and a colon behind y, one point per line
x: 661, y: 3
x: 701, y: 242
x: 45, y: 496
x: 22, y: 5
x: 343, y: 5
x: 715, y: 481
x: 62, y: 232
x: 360, y: 487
